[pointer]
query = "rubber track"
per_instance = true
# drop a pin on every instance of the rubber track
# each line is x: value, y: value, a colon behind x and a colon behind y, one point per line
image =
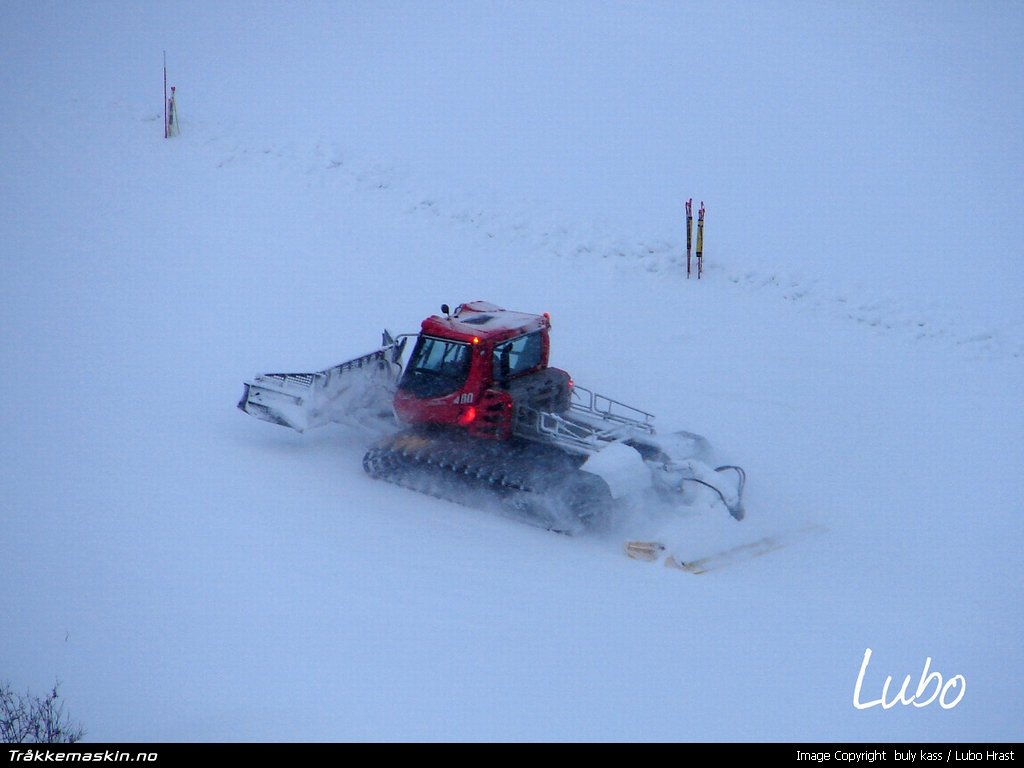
x: 537, y: 483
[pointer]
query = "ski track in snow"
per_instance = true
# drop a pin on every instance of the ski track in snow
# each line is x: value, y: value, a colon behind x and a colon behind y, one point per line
x: 518, y: 222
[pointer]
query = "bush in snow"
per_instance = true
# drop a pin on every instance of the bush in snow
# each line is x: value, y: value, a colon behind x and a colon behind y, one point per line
x: 30, y: 719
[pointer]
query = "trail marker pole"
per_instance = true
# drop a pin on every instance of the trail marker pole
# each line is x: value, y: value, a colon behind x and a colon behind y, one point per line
x: 172, y: 116
x: 689, y: 233
x: 170, y: 108
x: 700, y: 240
x: 165, y: 94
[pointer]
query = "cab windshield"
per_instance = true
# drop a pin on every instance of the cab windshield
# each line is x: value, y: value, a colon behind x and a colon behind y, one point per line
x: 437, y: 367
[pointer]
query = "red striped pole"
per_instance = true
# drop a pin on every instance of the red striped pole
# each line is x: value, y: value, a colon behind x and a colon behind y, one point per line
x: 689, y: 233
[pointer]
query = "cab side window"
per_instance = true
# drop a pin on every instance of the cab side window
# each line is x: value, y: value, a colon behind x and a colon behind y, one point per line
x: 517, y: 356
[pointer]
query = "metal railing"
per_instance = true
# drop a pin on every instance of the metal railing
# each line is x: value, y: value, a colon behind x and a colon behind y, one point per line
x: 589, y: 402
x: 591, y: 422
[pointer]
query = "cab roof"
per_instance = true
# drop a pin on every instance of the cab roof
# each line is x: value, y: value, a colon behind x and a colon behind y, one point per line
x: 483, y: 321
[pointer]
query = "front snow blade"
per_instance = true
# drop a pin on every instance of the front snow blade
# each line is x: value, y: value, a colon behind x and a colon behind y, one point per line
x: 350, y: 391
x: 273, y: 405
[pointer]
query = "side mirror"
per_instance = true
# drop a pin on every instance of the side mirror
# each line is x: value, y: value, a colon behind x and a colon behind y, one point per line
x: 445, y: 310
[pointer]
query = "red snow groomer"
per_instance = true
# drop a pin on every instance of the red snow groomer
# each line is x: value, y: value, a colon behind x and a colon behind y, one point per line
x: 476, y: 414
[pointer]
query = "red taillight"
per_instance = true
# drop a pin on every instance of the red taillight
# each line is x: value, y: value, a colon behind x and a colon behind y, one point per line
x: 467, y: 416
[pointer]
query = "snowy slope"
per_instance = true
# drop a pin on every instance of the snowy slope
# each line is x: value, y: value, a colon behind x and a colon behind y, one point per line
x: 190, y: 573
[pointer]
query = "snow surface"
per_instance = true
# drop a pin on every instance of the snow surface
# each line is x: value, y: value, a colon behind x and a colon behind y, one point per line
x: 190, y: 573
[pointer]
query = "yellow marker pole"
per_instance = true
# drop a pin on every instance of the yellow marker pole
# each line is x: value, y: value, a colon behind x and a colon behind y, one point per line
x: 700, y: 240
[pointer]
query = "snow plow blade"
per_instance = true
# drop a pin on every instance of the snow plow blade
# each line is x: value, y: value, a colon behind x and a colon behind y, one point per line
x: 363, y: 386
